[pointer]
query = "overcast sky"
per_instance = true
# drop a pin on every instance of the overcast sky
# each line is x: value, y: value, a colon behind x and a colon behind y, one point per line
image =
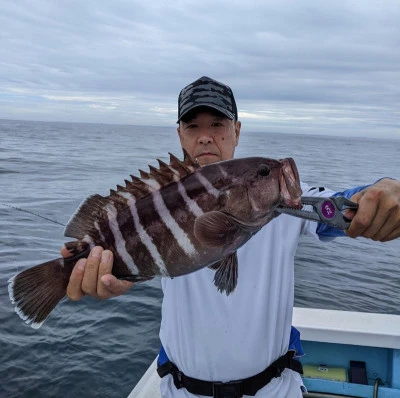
x: 320, y: 67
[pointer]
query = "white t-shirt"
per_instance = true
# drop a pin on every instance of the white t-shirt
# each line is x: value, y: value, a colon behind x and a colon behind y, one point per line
x: 214, y: 337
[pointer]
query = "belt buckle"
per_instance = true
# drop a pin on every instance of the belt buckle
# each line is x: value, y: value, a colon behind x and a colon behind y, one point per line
x: 232, y: 389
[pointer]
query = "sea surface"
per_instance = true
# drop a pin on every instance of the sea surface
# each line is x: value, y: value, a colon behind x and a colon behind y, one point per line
x: 96, y: 348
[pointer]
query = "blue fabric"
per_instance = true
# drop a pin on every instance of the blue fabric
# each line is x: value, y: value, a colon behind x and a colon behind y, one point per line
x: 162, y: 357
x: 295, y: 342
x: 325, y: 231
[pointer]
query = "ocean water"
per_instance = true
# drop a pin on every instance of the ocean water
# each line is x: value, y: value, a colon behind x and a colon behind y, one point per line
x: 96, y: 348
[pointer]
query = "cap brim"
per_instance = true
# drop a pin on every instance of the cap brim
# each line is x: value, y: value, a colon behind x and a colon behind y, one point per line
x: 225, y: 112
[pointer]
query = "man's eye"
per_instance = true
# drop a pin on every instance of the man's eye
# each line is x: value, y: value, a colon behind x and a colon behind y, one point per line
x: 191, y: 126
x: 217, y: 124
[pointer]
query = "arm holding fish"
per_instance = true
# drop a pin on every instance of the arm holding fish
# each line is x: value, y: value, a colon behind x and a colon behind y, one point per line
x: 92, y: 276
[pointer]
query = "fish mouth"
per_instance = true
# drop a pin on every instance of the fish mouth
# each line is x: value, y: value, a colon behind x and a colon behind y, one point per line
x: 289, y: 182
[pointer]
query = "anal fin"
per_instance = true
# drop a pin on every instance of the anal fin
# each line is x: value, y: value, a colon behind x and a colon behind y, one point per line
x: 226, y: 276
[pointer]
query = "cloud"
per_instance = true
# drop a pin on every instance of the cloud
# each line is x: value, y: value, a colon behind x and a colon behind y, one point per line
x: 317, y: 66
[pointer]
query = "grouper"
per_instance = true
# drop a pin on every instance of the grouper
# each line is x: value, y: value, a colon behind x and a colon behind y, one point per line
x: 170, y: 221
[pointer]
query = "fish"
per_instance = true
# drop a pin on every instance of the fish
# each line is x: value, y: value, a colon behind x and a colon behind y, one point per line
x: 171, y: 221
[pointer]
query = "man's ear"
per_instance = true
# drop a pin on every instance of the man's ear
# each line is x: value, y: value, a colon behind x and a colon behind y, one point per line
x: 238, y: 126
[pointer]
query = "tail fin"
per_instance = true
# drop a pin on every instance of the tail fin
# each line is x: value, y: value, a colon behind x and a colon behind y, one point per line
x: 37, y: 290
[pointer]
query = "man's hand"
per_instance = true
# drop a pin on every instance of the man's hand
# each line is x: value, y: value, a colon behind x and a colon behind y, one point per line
x: 92, y: 276
x: 378, y: 214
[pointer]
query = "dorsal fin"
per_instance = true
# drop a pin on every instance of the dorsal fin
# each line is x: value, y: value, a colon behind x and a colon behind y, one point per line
x: 183, y: 168
x: 163, y: 165
x: 143, y: 174
x: 83, y: 220
x: 121, y: 188
x: 136, y: 187
x: 160, y: 176
x: 137, y: 181
x: 168, y: 170
x: 157, y: 178
x: 153, y: 169
x: 189, y: 161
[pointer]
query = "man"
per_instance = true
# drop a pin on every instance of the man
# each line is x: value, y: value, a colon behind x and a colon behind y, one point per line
x: 209, y: 336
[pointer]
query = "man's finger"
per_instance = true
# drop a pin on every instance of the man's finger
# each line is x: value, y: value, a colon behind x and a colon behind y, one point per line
x: 114, y: 286
x: 389, y: 229
x: 363, y: 218
x: 395, y: 234
x: 108, y: 285
x: 380, y: 227
x: 89, y: 282
x: 380, y: 217
x: 74, y: 290
x: 105, y: 268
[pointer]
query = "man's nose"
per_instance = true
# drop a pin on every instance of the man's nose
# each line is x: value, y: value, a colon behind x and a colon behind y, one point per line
x: 205, y: 139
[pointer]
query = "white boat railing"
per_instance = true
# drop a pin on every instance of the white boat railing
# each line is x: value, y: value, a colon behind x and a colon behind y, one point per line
x: 347, y: 327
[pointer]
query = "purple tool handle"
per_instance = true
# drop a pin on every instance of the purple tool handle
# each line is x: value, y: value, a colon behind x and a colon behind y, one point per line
x: 328, y: 210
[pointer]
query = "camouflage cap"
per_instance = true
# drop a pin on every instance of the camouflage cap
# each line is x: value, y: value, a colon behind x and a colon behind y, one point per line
x: 210, y: 93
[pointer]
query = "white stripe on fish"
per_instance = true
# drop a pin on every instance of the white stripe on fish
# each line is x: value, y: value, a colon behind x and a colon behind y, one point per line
x: 153, y: 184
x: 182, y: 239
x: 176, y: 176
x: 120, y: 243
x: 88, y: 239
x: 145, y: 238
x: 191, y: 204
x: 223, y: 172
x: 97, y: 226
x: 207, y: 185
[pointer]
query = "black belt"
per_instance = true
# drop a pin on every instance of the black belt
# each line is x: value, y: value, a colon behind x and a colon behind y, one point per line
x: 232, y: 389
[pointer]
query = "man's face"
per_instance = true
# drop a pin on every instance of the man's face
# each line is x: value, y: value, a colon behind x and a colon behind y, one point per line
x: 209, y: 137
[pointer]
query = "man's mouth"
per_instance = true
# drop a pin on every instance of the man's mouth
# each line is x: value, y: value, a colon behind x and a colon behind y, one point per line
x: 206, y: 154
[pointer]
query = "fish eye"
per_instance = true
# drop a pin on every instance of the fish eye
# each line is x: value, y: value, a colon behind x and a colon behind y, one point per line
x: 263, y: 170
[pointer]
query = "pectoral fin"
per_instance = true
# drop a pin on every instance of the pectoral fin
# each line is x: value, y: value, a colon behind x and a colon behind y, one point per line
x: 216, y: 229
x: 226, y: 276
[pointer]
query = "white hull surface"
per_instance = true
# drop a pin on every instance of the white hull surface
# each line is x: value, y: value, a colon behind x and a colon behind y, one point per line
x: 331, y: 339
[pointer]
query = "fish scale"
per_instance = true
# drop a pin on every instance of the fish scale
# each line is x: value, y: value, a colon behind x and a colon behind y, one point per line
x: 171, y: 221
